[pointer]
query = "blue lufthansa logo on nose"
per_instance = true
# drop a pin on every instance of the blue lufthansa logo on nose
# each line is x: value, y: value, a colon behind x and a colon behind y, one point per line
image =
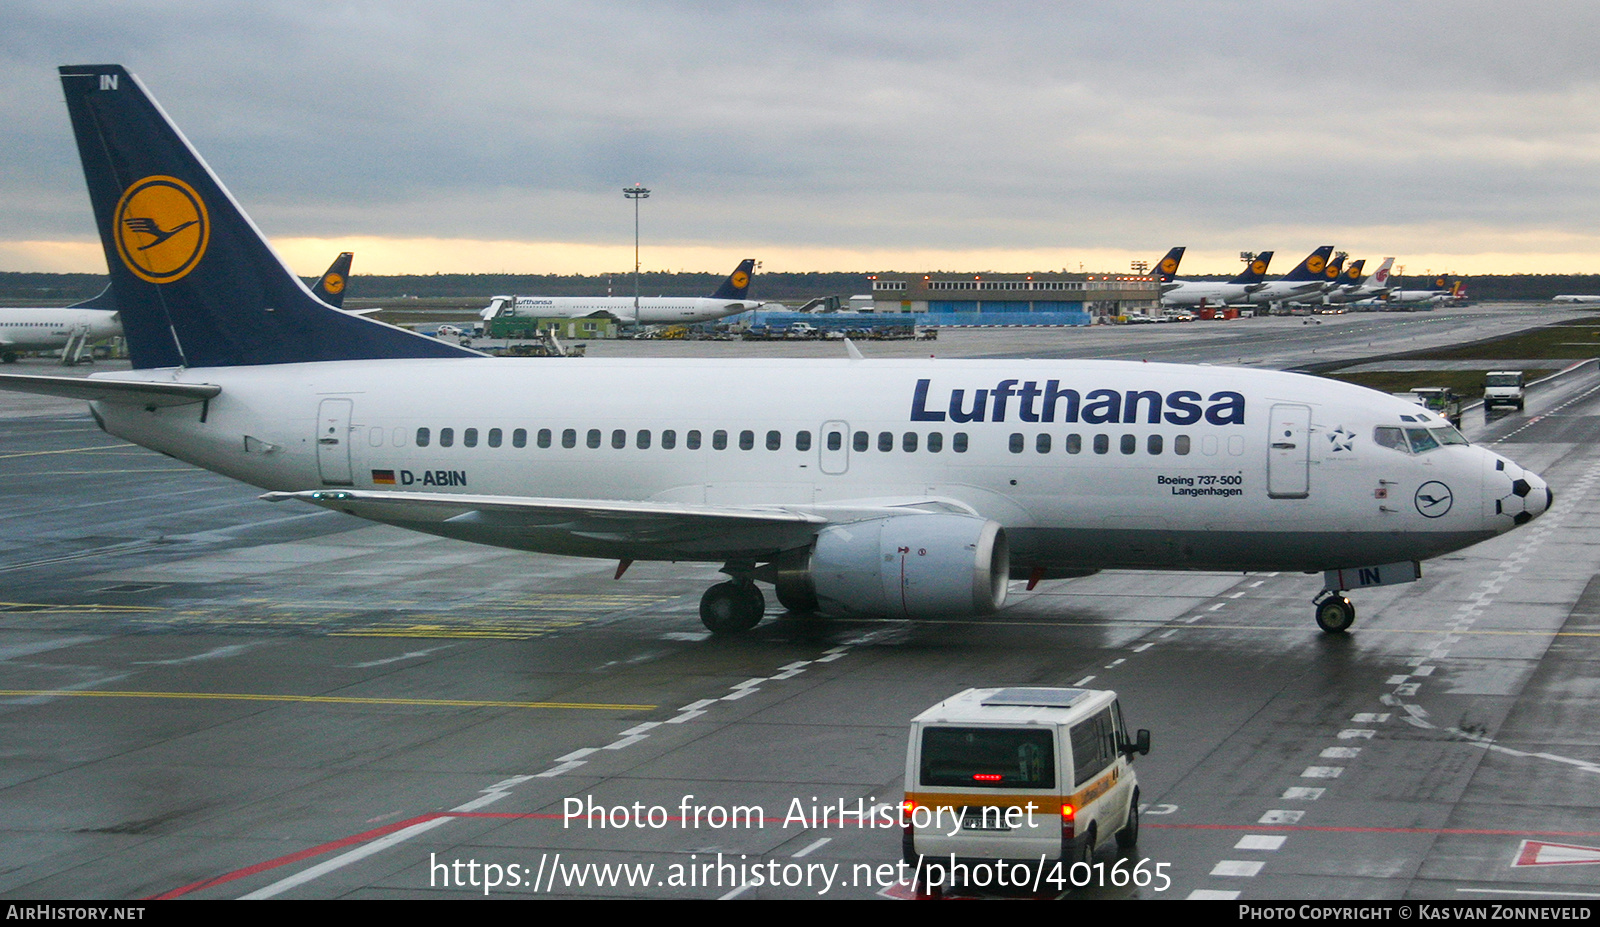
x: 1433, y: 499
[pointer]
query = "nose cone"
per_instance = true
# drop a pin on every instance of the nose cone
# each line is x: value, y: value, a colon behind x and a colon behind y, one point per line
x: 1513, y: 492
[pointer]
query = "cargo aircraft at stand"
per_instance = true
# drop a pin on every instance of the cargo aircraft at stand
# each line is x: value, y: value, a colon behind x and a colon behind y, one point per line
x: 901, y: 488
x: 729, y: 299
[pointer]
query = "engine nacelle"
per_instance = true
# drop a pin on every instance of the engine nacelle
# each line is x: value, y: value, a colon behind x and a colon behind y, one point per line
x: 905, y: 566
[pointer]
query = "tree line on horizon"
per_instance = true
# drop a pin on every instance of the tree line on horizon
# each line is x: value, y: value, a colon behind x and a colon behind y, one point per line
x: 61, y: 289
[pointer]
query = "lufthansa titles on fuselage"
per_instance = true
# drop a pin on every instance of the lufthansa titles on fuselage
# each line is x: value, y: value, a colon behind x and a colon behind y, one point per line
x: 1053, y: 402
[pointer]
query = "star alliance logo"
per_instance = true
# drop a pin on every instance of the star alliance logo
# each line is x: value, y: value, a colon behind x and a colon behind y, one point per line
x: 1341, y: 438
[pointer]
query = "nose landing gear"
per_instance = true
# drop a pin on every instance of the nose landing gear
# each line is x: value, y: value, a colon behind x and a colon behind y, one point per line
x: 1335, y: 612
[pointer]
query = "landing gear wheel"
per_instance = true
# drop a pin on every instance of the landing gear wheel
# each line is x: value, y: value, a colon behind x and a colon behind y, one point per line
x: 1335, y: 614
x: 1128, y: 836
x: 732, y: 607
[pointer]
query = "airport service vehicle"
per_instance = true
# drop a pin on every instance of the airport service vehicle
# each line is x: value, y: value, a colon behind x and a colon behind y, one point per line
x: 913, y: 488
x: 729, y: 299
x: 1026, y: 774
x: 1503, y: 388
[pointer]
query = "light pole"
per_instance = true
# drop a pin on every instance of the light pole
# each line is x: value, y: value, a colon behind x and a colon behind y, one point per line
x: 636, y: 193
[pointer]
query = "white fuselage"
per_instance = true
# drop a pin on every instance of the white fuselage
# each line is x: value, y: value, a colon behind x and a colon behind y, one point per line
x: 1202, y: 292
x: 1575, y: 298
x: 652, y: 310
x: 1086, y: 464
x: 47, y: 329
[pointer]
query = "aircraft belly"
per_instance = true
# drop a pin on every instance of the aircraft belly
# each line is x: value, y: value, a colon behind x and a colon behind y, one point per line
x: 1226, y: 549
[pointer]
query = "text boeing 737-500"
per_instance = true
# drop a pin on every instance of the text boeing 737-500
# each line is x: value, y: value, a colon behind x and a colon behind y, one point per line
x: 906, y: 488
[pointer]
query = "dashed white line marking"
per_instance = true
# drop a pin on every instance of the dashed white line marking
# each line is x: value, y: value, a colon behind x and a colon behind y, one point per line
x: 1238, y: 868
x: 1082, y: 682
x: 576, y: 755
x: 625, y: 742
x: 1340, y: 753
x: 1302, y: 793
x: 1143, y: 647
x: 1356, y: 734
x: 686, y: 716
x: 1169, y: 633
x: 344, y: 859
x: 559, y: 769
x: 1281, y: 817
x: 1368, y: 718
x: 813, y: 846
x: 1322, y: 772
x: 1259, y: 842
x: 1210, y: 894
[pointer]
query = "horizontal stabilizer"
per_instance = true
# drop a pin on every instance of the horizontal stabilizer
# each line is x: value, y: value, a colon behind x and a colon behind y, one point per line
x: 131, y: 392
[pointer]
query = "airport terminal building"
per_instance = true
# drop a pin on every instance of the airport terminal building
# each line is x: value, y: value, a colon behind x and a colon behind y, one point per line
x: 1016, y: 299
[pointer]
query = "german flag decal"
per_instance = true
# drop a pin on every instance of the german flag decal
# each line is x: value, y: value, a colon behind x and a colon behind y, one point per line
x: 383, y: 477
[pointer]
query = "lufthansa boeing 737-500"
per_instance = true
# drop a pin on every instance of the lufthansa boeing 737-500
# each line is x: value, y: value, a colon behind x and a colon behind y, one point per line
x: 902, y: 488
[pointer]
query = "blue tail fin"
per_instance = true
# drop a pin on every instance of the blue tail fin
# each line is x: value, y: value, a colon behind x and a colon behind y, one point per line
x: 1334, y: 269
x: 330, y: 287
x: 195, y: 281
x: 738, y: 282
x: 1167, y: 267
x: 1256, y: 270
x: 1312, y: 267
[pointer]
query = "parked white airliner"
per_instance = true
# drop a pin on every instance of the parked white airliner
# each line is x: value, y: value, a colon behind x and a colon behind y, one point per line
x: 728, y: 299
x: 51, y: 328
x: 907, y: 488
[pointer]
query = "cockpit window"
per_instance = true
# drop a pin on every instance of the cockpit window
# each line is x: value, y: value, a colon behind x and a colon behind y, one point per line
x: 1421, y: 440
x: 1416, y: 440
x: 1385, y: 436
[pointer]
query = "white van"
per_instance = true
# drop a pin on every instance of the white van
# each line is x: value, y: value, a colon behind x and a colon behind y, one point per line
x: 1021, y: 774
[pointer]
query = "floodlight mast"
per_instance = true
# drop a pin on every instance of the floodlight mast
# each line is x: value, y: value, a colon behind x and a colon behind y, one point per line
x: 636, y: 193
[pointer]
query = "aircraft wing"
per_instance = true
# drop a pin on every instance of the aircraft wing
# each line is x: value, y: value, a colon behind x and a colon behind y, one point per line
x: 131, y: 392
x: 642, y: 530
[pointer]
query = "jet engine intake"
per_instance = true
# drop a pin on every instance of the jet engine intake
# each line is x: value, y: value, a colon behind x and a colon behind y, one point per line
x: 905, y: 566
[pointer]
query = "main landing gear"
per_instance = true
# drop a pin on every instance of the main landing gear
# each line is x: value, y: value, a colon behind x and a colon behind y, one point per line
x: 731, y: 607
x: 1335, y: 613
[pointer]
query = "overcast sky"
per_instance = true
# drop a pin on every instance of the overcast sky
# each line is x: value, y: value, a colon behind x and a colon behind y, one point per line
x: 841, y: 136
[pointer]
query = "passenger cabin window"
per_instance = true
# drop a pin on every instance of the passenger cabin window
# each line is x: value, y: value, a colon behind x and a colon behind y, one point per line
x: 860, y: 440
x: 642, y: 439
x: 569, y: 437
x: 1042, y: 444
x: 1074, y: 444
x: 1102, y: 444
x: 885, y: 440
x: 422, y: 437
x: 908, y: 442
x: 1017, y: 442
x: 747, y: 440
x: 619, y: 439
x: 592, y: 438
x: 802, y: 440
x: 469, y: 438
x: 1180, y: 445
x: 495, y: 436
x: 958, y: 442
x: 669, y: 439
x: 1153, y: 444
x: 1129, y: 444
x: 719, y: 440
x: 447, y: 437
x: 935, y: 442
x: 774, y: 440
x: 692, y: 439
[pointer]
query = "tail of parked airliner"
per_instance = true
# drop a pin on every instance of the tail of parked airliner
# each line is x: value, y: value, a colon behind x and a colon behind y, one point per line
x: 330, y: 288
x: 738, y: 282
x: 1256, y: 270
x: 196, y: 282
x: 1312, y: 268
x: 1167, y: 267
